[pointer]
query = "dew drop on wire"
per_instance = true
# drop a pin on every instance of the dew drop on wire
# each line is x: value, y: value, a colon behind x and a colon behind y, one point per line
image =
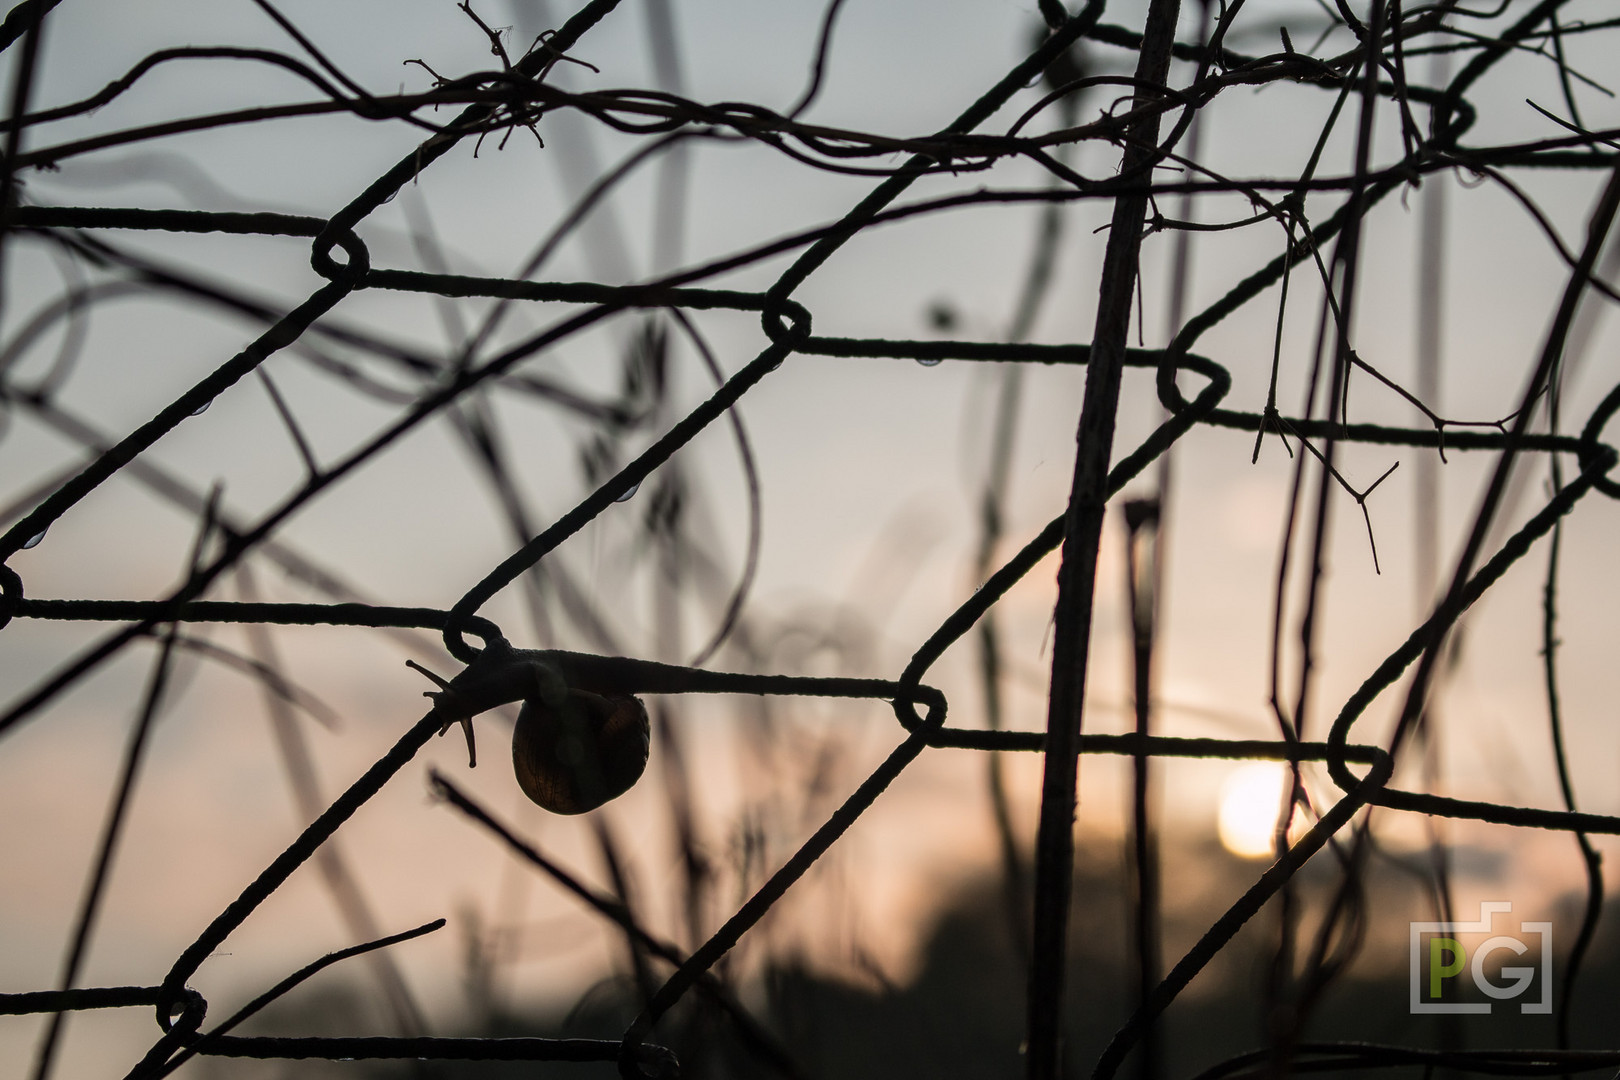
x: 928, y: 361
x: 199, y: 410
x: 628, y: 495
x: 33, y: 541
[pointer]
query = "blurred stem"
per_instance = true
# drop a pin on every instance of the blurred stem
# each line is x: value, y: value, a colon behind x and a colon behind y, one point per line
x: 674, y: 170
x: 1431, y: 316
x: 31, y: 24
x: 645, y: 984
x: 1142, y: 558
x: 299, y: 766
x: 992, y: 526
x: 118, y: 811
x: 1279, y: 988
x: 111, y: 831
x: 1077, y: 573
x: 1145, y: 611
x: 1339, y: 935
x: 1592, y: 862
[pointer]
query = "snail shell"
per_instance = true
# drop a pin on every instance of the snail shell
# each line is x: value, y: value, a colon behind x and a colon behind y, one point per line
x: 575, y: 757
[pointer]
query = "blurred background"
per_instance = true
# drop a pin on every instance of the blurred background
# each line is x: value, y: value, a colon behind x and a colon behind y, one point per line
x: 868, y: 482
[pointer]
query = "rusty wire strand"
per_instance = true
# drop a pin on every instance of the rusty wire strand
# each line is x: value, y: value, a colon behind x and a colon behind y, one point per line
x: 1374, y: 75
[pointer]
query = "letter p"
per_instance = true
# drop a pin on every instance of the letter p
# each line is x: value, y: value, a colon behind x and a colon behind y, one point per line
x: 1439, y: 972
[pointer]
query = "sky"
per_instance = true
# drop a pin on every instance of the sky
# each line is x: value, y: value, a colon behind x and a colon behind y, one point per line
x: 869, y: 472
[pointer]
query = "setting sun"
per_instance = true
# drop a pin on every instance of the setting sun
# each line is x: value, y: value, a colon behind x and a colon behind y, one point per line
x: 1250, y: 800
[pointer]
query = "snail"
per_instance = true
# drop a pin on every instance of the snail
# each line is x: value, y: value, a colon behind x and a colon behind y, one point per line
x: 575, y: 746
x: 582, y: 736
x: 574, y: 755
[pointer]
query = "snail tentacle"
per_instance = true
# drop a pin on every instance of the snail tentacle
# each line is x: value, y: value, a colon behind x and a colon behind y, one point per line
x: 465, y: 721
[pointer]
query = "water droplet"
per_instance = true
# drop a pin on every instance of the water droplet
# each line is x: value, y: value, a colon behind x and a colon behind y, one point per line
x: 627, y: 496
x: 928, y: 361
x: 199, y: 410
x: 33, y: 541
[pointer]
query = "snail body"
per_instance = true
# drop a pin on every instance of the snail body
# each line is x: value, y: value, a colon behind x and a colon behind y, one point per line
x: 573, y: 755
x: 580, y: 740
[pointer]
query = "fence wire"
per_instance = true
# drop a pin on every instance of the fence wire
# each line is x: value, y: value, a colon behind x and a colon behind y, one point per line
x: 1363, y: 60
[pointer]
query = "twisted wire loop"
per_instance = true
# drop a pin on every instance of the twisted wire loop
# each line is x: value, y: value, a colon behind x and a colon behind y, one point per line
x: 519, y: 95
